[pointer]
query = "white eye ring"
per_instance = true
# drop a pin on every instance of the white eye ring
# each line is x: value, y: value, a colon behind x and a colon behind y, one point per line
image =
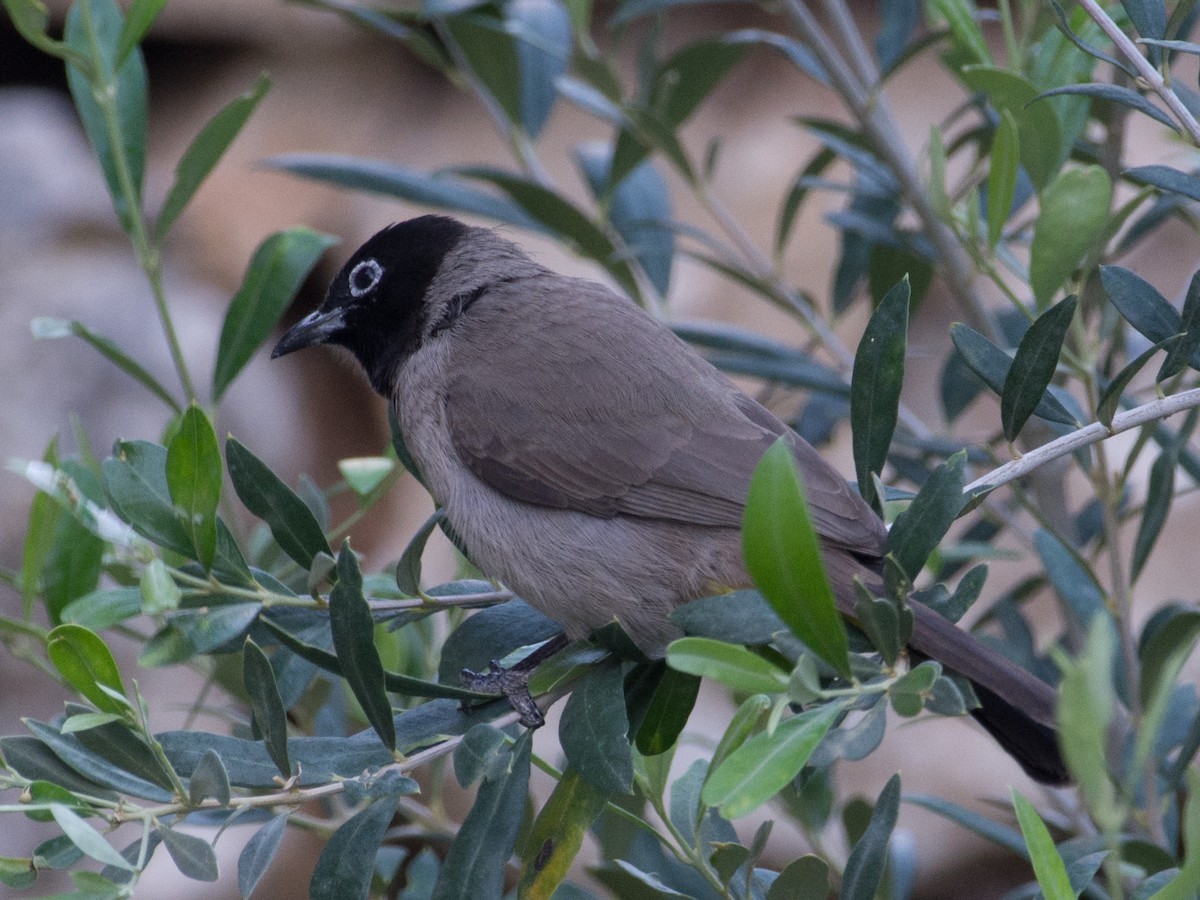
x: 369, y: 267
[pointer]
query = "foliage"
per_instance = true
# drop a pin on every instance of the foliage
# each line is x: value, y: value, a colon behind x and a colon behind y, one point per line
x: 1038, y: 213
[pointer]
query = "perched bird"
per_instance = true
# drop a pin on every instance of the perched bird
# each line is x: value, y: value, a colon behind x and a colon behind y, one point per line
x: 592, y: 461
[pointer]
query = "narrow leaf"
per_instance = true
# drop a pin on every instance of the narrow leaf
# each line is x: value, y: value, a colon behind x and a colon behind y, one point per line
x: 1167, y: 179
x: 346, y: 865
x: 668, y: 712
x: 557, y: 834
x: 206, y: 150
x: 354, y: 641
x: 292, y: 523
x: 269, y: 714
x: 991, y: 364
x: 138, y: 19
x: 875, y: 387
x: 1048, y: 866
x: 1034, y: 366
x: 783, y: 556
x: 84, y: 660
x: 734, y: 666
x: 48, y: 328
x: 1186, y: 351
x: 277, y: 270
x: 1003, y: 165
x: 408, y: 569
x: 1074, y: 213
x: 95, y: 34
x: 192, y: 855
x: 594, y: 729
x: 87, y: 838
x: 1110, y: 397
x: 474, y: 867
x: 920, y: 528
x: 758, y: 769
x: 256, y: 856
x: 194, y: 480
x: 1114, y: 93
x: 865, y: 866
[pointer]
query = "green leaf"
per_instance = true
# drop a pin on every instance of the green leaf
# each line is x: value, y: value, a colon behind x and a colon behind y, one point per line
x: 93, y: 30
x: 209, y: 779
x: 1034, y: 366
x: 557, y: 834
x: 865, y: 866
x: 1167, y: 179
x: 1110, y: 398
x: 1162, y: 655
x: 292, y: 523
x: 962, y: 18
x: 670, y: 706
x: 259, y: 681
x: 1113, y: 93
x: 594, y: 730
x: 205, y: 151
x: 920, y: 528
x: 483, y: 753
x: 474, y: 867
x: 783, y: 556
x: 991, y: 364
x: 31, y: 20
x: 1002, y: 176
x: 135, y: 482
x: 194, y: 480
x: 758, y: 769
x: 875, y: 387
x: 542, y: 32
x: 732, y: 665
x: 209, y: 629
x: 1187, y: 882
x: 408, y: 569
x: 1039, y: 131
x: 87, y: 838
x: 807, y: 876
x: 192, y: 855
x: 365, y: 473
x: 684, y: 80
x: 277, y: 270
x: 1073, y: 216
x: 438, y: 189
x: 354, y: 641
x: 1085, y: 708
x: 490, y: 52
x: 1000, y: 835
x: 138, y: 19
x: 46, y: 328
x: 394, y: 681
x: 84, y: 660
x: 72, y: 569
x: 86, y: 721
x: 346, y: 865
x: 1048, y: 866
x: 1160, y: 490
x: 256, y: 856
x: 35, y: 760
x: 18, y: 873
x: 1188, y: 349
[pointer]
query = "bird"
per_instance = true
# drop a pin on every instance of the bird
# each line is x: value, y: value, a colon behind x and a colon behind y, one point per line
x: 594, y: 463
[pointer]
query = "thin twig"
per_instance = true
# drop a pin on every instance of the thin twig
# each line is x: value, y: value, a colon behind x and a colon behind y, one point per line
x: 1150, y: 75
x: 1090, y: 434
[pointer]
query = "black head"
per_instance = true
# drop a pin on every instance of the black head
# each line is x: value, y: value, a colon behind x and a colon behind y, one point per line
x: 375, y: 306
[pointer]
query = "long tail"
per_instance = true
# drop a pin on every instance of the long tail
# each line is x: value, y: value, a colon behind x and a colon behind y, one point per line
x: 1016, y: 708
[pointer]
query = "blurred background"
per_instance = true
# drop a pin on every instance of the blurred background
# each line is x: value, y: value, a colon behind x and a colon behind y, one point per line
x: 342, y: 90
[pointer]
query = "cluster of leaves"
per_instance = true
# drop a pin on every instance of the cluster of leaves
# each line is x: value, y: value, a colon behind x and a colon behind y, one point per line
x: 313, y: 648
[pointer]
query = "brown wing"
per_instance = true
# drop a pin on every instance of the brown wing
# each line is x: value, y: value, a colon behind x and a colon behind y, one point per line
x: 596, y: 407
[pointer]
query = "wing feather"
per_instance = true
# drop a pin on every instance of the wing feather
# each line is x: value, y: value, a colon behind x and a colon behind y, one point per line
x: 635, y: 423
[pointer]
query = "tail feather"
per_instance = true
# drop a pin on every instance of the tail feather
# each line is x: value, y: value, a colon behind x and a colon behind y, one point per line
x: 1015, y: 707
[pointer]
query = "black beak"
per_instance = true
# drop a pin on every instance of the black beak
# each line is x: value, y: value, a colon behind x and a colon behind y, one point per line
x: 316, y: 328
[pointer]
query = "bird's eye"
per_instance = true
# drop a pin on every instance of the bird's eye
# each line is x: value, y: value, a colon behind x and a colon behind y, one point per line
x: 364, y: 277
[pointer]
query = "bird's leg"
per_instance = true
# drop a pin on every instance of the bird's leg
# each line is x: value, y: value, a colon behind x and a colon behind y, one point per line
x: 513, y: 682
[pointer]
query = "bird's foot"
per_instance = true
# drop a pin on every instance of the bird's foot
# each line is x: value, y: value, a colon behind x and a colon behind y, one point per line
x: 512, y: 683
